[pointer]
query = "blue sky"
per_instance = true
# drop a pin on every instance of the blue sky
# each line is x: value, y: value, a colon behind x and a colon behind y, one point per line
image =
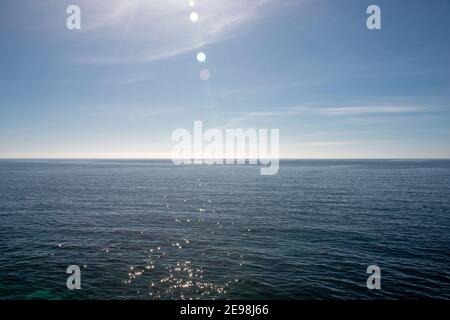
x: 122, y: 84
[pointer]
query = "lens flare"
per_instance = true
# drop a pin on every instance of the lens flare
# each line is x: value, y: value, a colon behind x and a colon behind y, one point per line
x: 194, y: 16
x: 201, y: 57
x: 205, y: 74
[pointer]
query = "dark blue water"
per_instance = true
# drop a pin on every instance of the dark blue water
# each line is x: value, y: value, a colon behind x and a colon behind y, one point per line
x: 151, y: 230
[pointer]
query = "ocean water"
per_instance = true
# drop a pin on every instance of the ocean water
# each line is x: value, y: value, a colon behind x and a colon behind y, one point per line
x: 152, y: 230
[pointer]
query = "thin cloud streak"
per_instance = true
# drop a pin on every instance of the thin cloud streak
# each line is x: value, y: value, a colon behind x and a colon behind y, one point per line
x: 172, y: 31
x: 333, y: 111
x: 343, y: 143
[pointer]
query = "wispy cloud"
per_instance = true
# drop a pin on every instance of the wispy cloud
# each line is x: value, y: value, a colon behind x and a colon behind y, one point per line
x: 370, y: 110
x: 143, y: 31
x: 132, y: 112
x: 326, y: 111
x: 342, y: 143
x: 133, y: 80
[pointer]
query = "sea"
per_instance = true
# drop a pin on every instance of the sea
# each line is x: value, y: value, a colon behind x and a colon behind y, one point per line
x: 139, y: 229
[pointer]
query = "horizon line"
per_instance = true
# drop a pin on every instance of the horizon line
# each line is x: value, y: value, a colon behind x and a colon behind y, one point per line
x: 169, y: 159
